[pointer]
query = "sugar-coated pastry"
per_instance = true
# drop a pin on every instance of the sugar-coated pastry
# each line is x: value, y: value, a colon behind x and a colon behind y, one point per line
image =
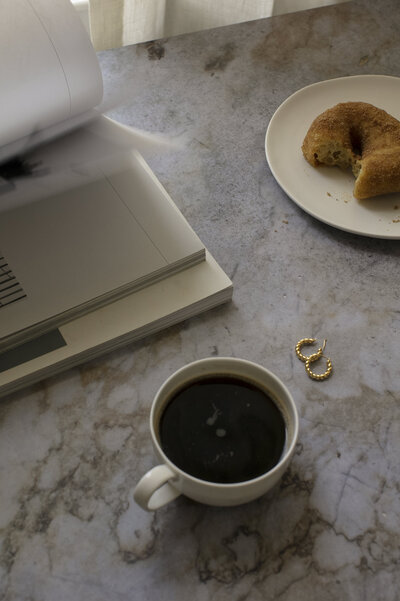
x: 363, y: 137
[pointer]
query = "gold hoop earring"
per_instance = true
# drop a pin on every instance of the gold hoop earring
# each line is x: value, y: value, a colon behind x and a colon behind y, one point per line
x: 323, y: 376
x: 313, y: 356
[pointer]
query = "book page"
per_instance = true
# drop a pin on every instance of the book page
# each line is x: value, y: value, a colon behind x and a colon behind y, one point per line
x: 66, y: 162
x: 67, y: 254
x: 72, y: 160
x: 48, y: 67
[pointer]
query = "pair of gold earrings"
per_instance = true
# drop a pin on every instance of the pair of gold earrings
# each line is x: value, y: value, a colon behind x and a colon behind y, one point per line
x: 312, y: 358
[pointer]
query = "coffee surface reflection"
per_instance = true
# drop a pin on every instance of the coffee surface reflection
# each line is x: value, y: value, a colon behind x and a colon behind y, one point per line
x: 222, y: 429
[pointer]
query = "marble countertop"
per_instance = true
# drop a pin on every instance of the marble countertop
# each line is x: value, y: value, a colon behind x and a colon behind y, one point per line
x: 73, y: 447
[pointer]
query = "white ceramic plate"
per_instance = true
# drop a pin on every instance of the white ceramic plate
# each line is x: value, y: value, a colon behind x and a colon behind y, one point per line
x: 326, y: 193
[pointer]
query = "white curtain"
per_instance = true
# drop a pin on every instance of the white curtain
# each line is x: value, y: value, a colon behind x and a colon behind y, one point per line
x: 115, y: 23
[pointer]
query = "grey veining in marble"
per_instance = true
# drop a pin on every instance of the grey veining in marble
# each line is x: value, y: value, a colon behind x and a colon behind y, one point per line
x: 73, y: 447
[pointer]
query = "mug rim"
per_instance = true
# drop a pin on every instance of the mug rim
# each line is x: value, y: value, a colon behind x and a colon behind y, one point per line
x: 286, y: 455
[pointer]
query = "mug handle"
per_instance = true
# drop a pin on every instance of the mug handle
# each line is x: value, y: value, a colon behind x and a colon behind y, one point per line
x: 154, y: 490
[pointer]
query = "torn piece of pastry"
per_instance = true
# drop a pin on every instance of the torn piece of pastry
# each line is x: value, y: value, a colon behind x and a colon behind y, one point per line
x: 360, y: 136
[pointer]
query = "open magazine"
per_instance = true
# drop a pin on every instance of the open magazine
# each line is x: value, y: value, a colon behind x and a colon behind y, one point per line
x: 93, y: 251
x: 82, y: 219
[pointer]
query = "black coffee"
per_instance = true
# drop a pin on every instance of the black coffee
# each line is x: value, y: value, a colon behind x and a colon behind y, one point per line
x: 222, y: 429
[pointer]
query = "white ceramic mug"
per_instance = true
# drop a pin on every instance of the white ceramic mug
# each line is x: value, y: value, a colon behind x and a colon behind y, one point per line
x: 166, y: 481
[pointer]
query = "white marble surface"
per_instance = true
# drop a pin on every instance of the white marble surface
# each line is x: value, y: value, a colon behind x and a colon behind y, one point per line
x: 73, y: 447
